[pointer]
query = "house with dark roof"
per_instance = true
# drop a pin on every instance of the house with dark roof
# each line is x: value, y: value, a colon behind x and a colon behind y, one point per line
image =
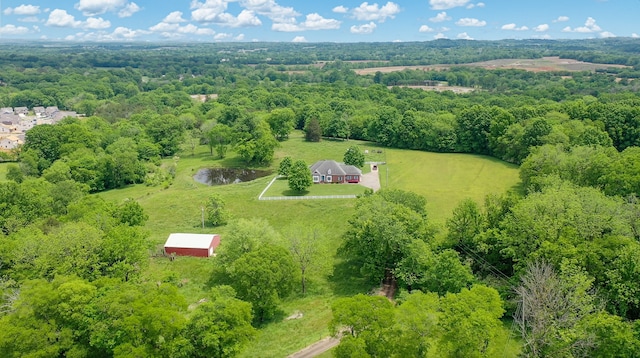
x: 330, y: 171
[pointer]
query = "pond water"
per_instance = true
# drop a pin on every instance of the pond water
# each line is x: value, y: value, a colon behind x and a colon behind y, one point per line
x: 223, y: 176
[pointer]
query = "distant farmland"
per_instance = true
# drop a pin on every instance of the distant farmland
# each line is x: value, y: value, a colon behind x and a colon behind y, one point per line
x: 545, y: 64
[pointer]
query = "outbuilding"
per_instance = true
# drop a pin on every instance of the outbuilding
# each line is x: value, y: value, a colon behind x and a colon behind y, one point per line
x: 200, y: 245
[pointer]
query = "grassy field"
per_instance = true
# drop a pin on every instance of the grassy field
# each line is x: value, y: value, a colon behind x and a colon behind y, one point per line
x: 3, y: 171
x: 444, y: 179
x: 280, y: 187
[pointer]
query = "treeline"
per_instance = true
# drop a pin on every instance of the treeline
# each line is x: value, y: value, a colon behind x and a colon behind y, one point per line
x: 187, y: 57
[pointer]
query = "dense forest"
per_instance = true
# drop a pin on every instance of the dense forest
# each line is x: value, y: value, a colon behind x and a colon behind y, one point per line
x: 559, y: 260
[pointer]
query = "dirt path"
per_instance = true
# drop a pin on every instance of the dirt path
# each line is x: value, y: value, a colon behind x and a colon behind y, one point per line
x: 316, y: 348
x: 371, y: 179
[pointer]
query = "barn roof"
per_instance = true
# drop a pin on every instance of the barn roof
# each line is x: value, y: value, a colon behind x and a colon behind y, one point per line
x: 190, y: 241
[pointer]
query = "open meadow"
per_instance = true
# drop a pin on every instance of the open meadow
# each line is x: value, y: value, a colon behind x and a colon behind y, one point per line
x: 3, y: 171
x: 443, y: 179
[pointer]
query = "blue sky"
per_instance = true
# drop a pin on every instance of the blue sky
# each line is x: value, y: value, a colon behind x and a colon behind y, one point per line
x: 315, y: 21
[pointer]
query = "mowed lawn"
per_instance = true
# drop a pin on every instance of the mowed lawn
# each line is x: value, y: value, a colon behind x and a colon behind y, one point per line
x: 445, y: 179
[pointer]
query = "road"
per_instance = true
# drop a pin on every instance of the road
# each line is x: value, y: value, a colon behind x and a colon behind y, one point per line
x: 316, y: 348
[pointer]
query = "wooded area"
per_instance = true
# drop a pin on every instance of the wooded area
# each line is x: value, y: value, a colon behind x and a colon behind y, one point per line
x: 560, y: 256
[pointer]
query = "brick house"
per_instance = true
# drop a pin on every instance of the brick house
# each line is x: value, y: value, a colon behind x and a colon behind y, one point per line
x: 330, y: 171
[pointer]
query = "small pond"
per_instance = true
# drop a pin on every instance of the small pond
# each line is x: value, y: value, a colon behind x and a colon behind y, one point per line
x: 223, y: 176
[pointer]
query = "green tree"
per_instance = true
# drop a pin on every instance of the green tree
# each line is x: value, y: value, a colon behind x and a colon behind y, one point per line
x: 217, y: 214
x: 312, y: 130
x: 470, y: 321
x: 281, y: 121
x: 220, y: 327
x: 219, y: 137
x: 380, y: 234
x: 366, y: 322
x: 285, y: 166
x: 168, y: 132
x: 353, y: 156
x: 131, y: 213
x: 263, y: 277
x: 299, y: 176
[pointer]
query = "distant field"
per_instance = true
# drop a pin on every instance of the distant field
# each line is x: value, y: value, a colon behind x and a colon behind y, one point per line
x: 545, y: 64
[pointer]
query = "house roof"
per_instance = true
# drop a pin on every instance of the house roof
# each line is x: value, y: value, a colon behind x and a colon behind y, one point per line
x: 331, y: 167
x: 190, y: 241
x: 327, y: 167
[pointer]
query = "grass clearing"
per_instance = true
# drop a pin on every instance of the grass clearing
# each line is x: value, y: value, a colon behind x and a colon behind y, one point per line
x: 444, y: 179
x: 3, y: 171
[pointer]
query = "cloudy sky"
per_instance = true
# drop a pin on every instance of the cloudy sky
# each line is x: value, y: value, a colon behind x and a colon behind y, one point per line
x: 315, y: 21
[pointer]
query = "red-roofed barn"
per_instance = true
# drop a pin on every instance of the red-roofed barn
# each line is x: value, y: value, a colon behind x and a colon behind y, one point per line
x: 200, y: 245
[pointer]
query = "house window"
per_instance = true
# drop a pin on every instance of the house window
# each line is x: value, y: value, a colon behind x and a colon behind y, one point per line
x: 316, y: 178
x: 348, y: 177
x: 339, y: 178
x: 328, y: 178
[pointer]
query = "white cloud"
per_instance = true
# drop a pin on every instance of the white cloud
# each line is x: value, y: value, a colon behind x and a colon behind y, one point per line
x: 60, y: 18
x: 446, y: 4
x: 635, y: 36
x: 174, y: 18
x: 246, y: 18
x: 442, y: 16
x: 97, y: 23
x: 425, y: 28
x: 270, y: 9
x: 464, y: 36
x: 561, y: 19
x: 313, y: 22
x: 29, y: 19
x: 128, y: 11
x: 340, y: 9
x: 607, y: 34
x: 363, y: 29
x: 299, y: 39
x: 13, y: 30
x: 316, y: 22
x: 126, y: 33
x: 541, y: 28
x: 514, y: 27
x: 466, y: 21
x: 240, y: 37
x: 439, y: 35
x: 471, y: 6
x: 589, y: 27
x: 96, y: 7
x: 373, y: 12
x: 222, y: 36
x: 195, y: 30
x: 28, y: 10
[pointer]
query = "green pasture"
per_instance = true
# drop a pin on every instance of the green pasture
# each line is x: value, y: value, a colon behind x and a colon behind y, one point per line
x: 444, y: 179
x: 3, y: 171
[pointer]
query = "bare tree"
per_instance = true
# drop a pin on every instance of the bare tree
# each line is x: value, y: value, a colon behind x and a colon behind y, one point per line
x: 550, y: 309
x: 304, y: 245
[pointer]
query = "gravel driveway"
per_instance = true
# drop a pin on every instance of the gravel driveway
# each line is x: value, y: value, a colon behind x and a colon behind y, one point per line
x: 371, y: 179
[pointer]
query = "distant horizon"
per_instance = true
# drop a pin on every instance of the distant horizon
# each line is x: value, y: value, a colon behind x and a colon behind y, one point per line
x: 331, y: 21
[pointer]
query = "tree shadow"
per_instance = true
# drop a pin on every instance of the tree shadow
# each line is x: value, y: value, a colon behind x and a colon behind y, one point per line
x: 346, y: 279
